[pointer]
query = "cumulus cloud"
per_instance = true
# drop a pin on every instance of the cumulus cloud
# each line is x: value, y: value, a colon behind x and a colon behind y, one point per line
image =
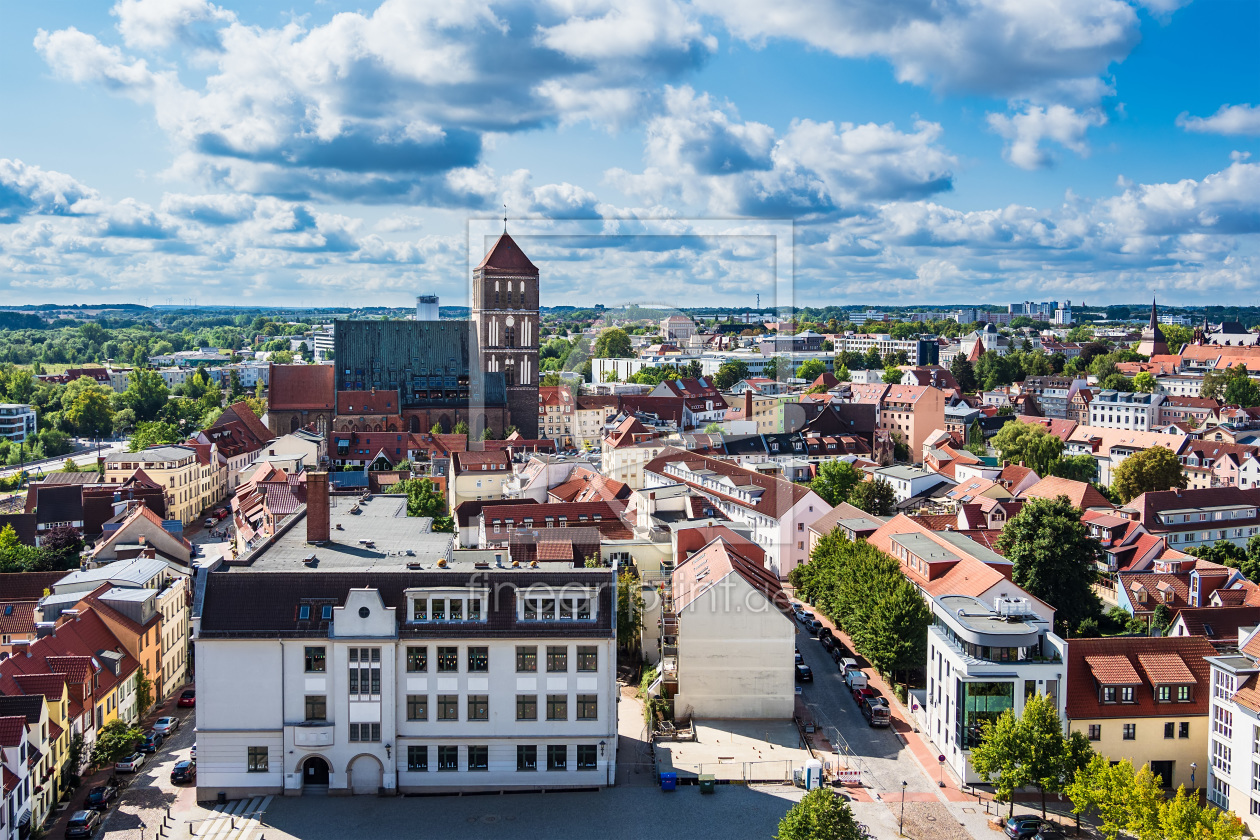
x: 157, y: 24
x: 1025, y: 132
x: 1229, y: 119
x: 26, y: 189
x: 699, y: 153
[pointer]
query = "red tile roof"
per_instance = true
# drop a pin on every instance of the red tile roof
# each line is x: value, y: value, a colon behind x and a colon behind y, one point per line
x: 49, y: 685
x: 697, y: 574
x: 301, y: 387
x: 12, y: 730
x: 1165, y: 669
x: 505, y: 257
x: 1084, y: 700
x: 367, y: 402
x: 1080, y: 493
x: 465, y: 461
x: 777, y: 497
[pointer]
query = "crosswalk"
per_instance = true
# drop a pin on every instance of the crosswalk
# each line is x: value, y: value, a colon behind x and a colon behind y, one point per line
x: 237, y: 820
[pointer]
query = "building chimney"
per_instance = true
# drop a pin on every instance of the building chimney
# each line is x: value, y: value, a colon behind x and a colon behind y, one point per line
x: 22, y: 646
x: 317, y: 517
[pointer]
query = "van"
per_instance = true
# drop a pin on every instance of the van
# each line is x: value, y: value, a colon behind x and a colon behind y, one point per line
x: 845, y: 664
x: 854, y: 678
x: 876, y: 711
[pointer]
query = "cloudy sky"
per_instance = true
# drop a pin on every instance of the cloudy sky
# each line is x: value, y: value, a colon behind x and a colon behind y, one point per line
x: 926, y: 151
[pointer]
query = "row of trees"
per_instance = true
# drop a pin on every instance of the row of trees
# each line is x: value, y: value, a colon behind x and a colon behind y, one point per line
x: 863, y: 591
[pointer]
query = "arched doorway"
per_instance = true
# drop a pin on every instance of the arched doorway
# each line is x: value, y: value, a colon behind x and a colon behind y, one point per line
x: 293, y: 424
x: 365, y: 774
x: 314, y: 774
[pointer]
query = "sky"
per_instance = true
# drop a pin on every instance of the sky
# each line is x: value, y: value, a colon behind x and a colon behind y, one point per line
x: 919, y: 152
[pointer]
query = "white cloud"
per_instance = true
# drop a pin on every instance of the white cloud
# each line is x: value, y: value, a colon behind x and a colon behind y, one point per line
x: 1025, y: 132
x: 157, y: 24
x: 1229, y: 119
x: 26, y: 189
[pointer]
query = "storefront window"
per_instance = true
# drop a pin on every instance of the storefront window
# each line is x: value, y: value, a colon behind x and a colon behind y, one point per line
x: 980, y: 703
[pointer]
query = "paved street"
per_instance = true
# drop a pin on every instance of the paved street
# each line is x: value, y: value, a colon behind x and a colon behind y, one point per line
x: 85, y: 458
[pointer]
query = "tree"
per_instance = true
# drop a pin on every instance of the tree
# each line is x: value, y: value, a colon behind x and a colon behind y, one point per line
x: 1029, y: 444
x: 435, y: 429
x: 1184, y: 818
x: 964, y: 373
x: 1053, y: 557
x: 1081, y: 467
x: 892, y: 376
x: 1144, y: 382
x: 898, y: 630
x: 729, y: 373
x: 871, y: 359
x: 875, y: 497
x: 91, y: 412
x: 999, y: 758
x: 1151, y: 469
x: 629, y: 610
x: 61, y: 546
x: 423, y: 499
x: 820, y: 815
x: 146, y: 394
x: 835, y: 481
x: 16, y: 556
x: 1161, y: 617
x: 612, y: 343
x: 461, y: 428
x: 116, y: 739
x: 713, y: 429
x: 144, y: 691
x: 154, y: 433
x: 1242, y: 391
x: 811, y: 369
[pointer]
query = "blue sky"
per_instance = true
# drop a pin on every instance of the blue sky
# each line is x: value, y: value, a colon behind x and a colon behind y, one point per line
x: 927, y: 151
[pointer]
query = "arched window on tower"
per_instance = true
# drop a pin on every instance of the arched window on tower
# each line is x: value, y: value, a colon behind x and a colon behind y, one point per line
x: 509, y: 336
x: 509, y: 375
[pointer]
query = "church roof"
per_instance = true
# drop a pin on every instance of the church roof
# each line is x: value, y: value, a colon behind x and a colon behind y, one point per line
x: 506, y: 257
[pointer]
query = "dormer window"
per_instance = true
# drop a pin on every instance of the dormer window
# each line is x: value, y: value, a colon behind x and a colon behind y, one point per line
x: 304, y: 612
x: 326, y: 612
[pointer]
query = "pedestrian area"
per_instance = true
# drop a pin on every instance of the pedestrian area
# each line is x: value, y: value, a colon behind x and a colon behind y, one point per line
x: 238, y: 820
x: 747, y: 751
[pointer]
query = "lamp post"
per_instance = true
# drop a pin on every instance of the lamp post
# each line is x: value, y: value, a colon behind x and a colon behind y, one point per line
x: 901, y: 822
x: 1194, y: 765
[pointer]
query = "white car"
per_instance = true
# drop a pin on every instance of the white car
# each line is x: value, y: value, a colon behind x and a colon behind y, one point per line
x: 130, y: 764
x: 165, y: 726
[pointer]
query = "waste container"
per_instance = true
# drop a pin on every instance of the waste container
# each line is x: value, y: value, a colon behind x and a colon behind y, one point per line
x: 708, y: 783
x: 669, y: 781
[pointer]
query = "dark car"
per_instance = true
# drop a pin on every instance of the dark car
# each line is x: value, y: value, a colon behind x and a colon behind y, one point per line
x: 1022, y: 826
x: 152, y: 742
x: 1049, y: 831
x: 800, y: 660
x: 184, y: 771
x: 188, y: 698
x: 827, y: 641
x: 876, y: 711
x: 83, y: 824
x: 100, y: 796
x: 803, y: 674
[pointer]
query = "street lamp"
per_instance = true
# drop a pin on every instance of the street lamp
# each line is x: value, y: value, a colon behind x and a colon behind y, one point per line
x: 1193, y: 766
x: 902, y: 821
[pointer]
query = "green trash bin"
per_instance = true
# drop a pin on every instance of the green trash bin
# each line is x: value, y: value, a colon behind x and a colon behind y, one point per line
x: 707, y: 783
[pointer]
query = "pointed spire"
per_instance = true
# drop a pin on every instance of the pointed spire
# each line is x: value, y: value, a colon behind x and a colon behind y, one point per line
x: 505, y: 218
x: 1154, y: 315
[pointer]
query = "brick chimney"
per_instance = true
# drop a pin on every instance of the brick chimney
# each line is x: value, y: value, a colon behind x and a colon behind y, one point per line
x: 317, y: 525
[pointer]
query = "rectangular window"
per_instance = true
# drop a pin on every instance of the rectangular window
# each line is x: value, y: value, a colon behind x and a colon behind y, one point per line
x: 457, y: 613
x: 439, y: 609
x: 526, y: 659
x: 1109, y: 694
x: 1164, y: 693
x: 557, y: 659
x: 557, y: 707
x: 448, y: 758
x: 417, y: 707
x: 478, y: 707
x: 1183, y: 694
x: 256, y: 758
x: 478, y: 660
x: 557, y: 757
x: 420, y: 609
x: 587, y: 756
x: 526, y: 757
x: 1130, y: 731
x: 316, y: 707
x: 479, y: 758
x: 448, y: 707
x: 417, y: 758
x: 1095, y: 732
x: 417, y: 660
x: 1223, y: 721
x: 304, y: 612
x: 1169, y: 729
x: 448, y: 659
x: 526, y: 707
x: 587, y: 658
x: 1183, y: 729
x: 1126, y: 694
x: 588, y: 707
x: 474, y: 609
x: 1221, y: 756
x: 315, y: 660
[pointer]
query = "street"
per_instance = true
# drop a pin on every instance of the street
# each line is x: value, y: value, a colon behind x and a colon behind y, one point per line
x: 84, y: 458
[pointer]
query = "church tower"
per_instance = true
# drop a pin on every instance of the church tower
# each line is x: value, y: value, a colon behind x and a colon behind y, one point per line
x: 1153, y: 342
x: 505, y: 314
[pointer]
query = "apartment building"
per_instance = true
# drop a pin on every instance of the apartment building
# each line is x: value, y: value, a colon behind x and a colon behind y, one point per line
x: 454, y: 677
x: 776, y: 512
x: 1232, y: 756
x: 1125, y: 410
x: 194, y: 475
x: 17, y: 422
x: 1201, y: 517
x: 918, y: 350
x: 630, y: 447
x: 1111, y: 446
x: 912, y: 412
x: 1054, y: 393
x: 478, y: 475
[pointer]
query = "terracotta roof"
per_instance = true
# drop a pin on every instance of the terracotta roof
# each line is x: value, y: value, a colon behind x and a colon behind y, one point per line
x: 506, y: 257
x: 705, y: 569
x: 12, y: 730
x: 27, y: 586
x: 1117, y: 660
x: 17, y: 618
x: 828, y: 521
x: 1165, y: 669
x: 935, y: 521
x: 574, y: 514
x: 1080, y: 493
x: 301, y: 387
x: 240, y: 412
x: 464, y: 461
x: 589, y: 487
x: 555, y: 550
x: 777, y: 497
x: 1149, y: 505
x: 50, y: 686
x: 368, y: 402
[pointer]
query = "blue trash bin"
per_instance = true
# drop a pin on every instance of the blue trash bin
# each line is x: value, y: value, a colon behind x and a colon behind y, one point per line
x: 669, y: 781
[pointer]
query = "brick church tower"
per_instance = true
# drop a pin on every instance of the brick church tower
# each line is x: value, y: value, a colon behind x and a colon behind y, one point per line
x: 505, y: 312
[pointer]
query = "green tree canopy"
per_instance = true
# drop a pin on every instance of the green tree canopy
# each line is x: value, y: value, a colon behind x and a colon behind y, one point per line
x: 875, y: 497
x: 820, y: 815
x: 1144, y: 382
x: 1151, y: 469
x: 1029, y: 444
x: 153, y: 434
x: 146, y: 394
x: 729, y: 373
x: 612, y: 343
x: 964, y: 373
x: 811, y: 369
x: 423, y: 499
x: 1081, y: 467
x: 115, y: 740
x: 835, y: 481
x: 1054, y: 557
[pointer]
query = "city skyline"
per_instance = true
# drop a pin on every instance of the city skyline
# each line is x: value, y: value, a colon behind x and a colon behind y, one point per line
x: 1094, y: 150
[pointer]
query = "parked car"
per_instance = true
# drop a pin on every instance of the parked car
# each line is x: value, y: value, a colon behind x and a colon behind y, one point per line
x: 100, y: 796
x: 184, y: 771
x: 800, y: 660
x: 847, y: 664
x: 814, y: 625
x: 166, y: 725
x: 804, y: 617
x: 83, y: 824
x: 876, y: 711
x: 827, y: 641
x: 151, y: 743
x: 193, y: 754
x: 1049, y: 831
x: 855, y: 678
x: 804, y: 674
x: 130, y: 764
x: 187, y: 699
x: 1022, y: 826
x: 221, y: 513
x: 860, y: 695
